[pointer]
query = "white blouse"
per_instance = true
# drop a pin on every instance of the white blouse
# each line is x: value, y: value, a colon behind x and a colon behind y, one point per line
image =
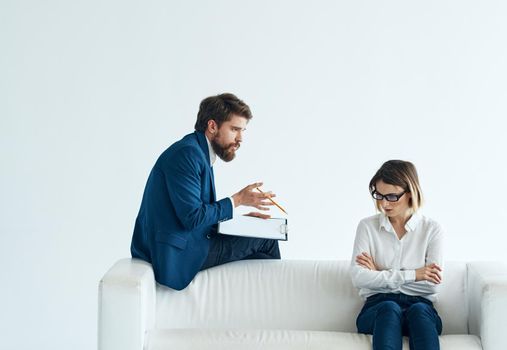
x: 396, y: 258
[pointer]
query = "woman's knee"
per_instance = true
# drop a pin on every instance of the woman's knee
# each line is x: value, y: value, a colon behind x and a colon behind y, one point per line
x: 420, y: 310
x: 388, y: 307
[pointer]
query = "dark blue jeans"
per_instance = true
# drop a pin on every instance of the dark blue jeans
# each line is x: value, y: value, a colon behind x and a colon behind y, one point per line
x: 388, y: 317
x: 224, y: 249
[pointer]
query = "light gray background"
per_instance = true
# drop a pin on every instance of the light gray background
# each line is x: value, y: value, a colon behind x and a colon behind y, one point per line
x: 91, y: 92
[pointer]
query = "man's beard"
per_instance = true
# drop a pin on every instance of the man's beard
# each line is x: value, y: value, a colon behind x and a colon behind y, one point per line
x: 226, y: 153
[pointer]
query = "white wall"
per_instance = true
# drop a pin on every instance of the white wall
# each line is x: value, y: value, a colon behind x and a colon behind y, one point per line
x: 92, y: 91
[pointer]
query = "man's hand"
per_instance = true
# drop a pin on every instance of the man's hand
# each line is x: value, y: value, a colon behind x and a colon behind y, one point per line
x: 365, y: 260
x: 258, y: 215
x: 248, y: 197
x: 431, y: 273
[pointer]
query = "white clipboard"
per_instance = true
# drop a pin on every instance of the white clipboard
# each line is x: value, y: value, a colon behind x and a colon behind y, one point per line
x: 248, y: 226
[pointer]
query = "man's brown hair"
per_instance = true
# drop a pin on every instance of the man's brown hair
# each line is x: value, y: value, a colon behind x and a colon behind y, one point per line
x: 220, y: 108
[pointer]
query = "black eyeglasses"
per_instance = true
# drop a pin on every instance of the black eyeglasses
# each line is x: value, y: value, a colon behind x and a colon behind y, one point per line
x: 390, y: 197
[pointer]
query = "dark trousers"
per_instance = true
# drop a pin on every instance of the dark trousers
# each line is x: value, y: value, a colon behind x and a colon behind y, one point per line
x: 388, y: 317
x: 225, y: 248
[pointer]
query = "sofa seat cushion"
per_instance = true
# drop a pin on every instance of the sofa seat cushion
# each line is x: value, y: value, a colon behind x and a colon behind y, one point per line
x: 191, y: 339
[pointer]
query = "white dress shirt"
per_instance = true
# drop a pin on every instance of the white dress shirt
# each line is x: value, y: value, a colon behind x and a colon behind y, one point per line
x: 396, y: 258
x: 212, y: 159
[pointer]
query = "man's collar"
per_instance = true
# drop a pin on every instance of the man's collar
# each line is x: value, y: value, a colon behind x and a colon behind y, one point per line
x: 212, y: 154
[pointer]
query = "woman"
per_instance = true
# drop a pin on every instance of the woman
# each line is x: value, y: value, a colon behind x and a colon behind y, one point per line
x: 396, y: 263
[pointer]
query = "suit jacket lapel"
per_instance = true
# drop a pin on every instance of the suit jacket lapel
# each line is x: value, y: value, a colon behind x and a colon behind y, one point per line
x: 214, y: 195
x: 203, y: 143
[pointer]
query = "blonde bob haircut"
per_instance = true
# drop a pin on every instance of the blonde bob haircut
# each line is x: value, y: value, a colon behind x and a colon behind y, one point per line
x: 403, y: 174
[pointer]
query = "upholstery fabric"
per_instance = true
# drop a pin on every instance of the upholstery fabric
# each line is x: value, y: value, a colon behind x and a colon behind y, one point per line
x: 282, y: 340
x: 283, y: 304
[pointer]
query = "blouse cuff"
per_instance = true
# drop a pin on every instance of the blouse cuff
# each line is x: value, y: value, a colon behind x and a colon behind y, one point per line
x: 409, y: 275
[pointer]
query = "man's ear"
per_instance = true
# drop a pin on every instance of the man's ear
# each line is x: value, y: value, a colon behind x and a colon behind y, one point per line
x: 212, y: 127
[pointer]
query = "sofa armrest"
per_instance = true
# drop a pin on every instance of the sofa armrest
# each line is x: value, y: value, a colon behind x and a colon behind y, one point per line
x: 487, y: 303
x: 126, y: 305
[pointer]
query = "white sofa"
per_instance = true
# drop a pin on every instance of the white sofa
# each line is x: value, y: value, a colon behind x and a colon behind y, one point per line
x: 282, y: 304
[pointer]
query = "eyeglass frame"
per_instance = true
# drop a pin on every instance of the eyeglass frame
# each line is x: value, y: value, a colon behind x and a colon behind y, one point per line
x: 384, y: 196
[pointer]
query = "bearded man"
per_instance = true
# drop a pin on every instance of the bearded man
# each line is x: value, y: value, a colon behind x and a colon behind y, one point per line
x: 176, y: 228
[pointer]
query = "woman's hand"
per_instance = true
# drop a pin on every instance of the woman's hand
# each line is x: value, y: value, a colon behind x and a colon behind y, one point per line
x: 431, y: 273
x: 365, y: 260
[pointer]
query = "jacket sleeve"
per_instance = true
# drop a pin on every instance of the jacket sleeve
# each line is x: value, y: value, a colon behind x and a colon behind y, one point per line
x: 383, y: 281
x: 183, y: 176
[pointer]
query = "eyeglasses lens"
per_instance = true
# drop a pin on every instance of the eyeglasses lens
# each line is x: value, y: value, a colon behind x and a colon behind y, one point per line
x: 391, y: 197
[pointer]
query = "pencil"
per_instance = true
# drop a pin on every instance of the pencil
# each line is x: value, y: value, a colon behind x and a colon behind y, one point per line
x: 272, y: 201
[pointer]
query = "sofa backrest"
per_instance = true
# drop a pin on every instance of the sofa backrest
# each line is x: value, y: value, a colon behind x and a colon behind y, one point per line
x: 285, y: 294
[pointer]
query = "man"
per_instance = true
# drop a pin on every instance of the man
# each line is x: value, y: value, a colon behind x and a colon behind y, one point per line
x: 175, y: 229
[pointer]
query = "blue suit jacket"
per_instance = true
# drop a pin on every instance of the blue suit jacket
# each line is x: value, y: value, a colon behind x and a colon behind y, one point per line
x: 179, y: 212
